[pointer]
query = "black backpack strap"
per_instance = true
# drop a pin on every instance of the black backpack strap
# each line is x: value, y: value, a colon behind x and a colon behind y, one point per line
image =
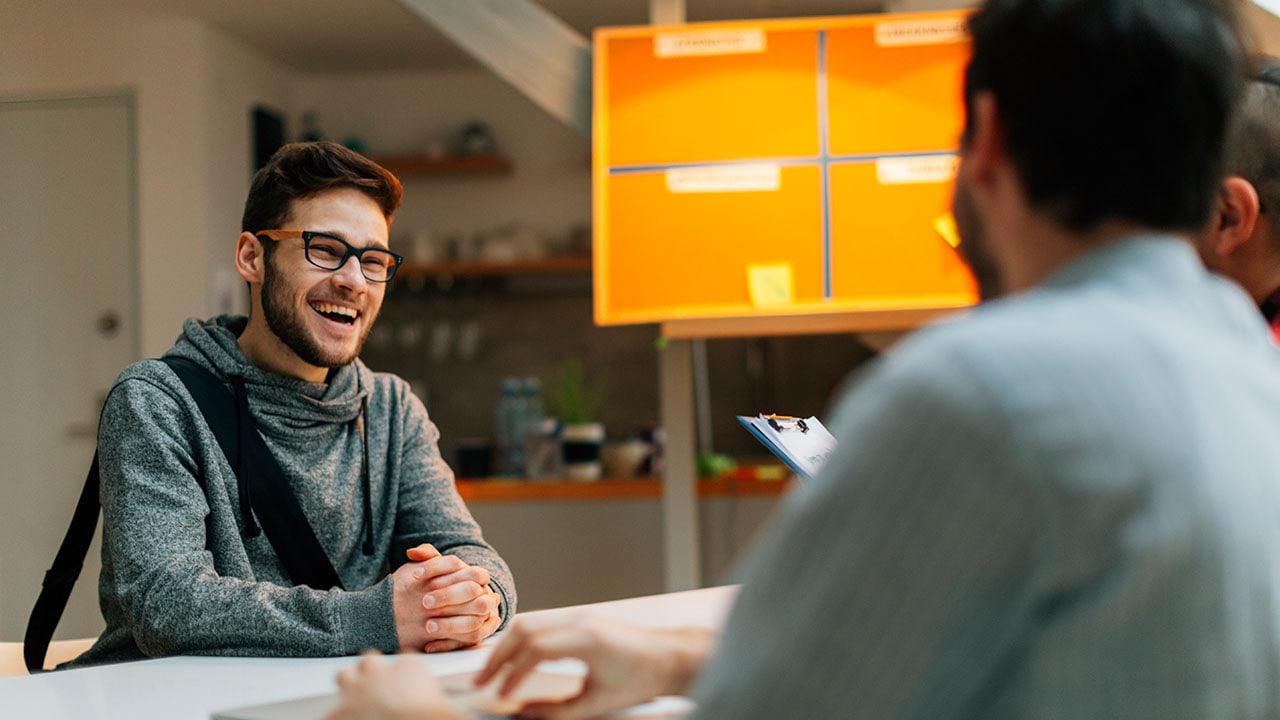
x: 60, y: 578
x: 264, y: 488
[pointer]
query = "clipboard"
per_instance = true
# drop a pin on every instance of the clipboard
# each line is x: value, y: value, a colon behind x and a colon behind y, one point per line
x: 802, y: 443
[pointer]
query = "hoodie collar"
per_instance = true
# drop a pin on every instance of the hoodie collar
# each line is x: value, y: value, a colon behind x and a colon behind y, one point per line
x: 213, y: 344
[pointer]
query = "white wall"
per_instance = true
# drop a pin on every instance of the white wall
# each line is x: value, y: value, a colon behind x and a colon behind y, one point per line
x: 549, y: 190
x: 159, y: 62
x: 193, y: 88
x: 236, y: 78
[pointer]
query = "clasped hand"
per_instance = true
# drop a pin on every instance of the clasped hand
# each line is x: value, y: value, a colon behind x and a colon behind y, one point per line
x: 441, y: 603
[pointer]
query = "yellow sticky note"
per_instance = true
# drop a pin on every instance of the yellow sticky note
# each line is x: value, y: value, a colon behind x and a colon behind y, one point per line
x: 945, y: 225
x: 770, y: 284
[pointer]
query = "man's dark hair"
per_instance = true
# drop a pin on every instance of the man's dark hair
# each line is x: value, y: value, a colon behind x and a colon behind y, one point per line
x: 300, y: 170
x: 1254, y: 150
x: 1111, y: 109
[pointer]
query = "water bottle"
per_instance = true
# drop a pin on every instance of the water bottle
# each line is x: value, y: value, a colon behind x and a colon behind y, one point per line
x: 508, y: 428
x: 534, y: 410
x: 533, y: 433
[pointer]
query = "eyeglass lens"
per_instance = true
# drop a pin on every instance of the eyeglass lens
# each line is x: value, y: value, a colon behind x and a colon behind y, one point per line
x: 329, y: 253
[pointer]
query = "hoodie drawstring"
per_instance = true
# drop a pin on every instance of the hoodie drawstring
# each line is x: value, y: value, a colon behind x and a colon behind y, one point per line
x: 364, y: 479
x: 244, y: 425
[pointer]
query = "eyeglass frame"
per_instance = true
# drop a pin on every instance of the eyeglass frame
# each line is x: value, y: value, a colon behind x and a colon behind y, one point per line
x: 351, y: 251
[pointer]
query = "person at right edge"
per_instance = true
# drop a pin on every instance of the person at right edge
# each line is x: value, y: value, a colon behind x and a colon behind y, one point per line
x: 1061, y: 505
x: 1242, y: 241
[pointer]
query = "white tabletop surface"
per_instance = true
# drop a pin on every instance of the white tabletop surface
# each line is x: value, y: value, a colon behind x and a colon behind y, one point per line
x: 195, y: 687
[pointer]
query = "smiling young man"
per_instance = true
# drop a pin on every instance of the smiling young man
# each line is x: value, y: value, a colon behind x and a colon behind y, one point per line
x: 187, y: 567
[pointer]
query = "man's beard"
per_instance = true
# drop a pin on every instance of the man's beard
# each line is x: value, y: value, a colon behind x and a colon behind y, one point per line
x: 973, y: 244
x: 284, y: 320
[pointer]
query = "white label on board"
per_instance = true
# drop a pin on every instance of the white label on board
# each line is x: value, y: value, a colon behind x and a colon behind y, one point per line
x: 725, y: 178
x: 897, y: 33
x: 708, y: 42
x: 924, y: 169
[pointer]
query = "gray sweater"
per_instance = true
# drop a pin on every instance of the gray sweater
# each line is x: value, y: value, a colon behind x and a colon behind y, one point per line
x: 169, y: 587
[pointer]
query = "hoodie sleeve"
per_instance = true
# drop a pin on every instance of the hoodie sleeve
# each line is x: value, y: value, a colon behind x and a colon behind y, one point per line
x: 162, y: 578
x: 430, y: 509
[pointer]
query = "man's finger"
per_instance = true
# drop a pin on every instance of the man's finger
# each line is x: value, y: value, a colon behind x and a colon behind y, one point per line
x: 484, y: 606
x: 512, y: 640
x: 439, y: 646
x: 370, y: 662
x: 547, y: 645
x: 467, y: 639
x: 346, y: 678
x: 463, y: 592
x: 437, y: 566
x: 422, y: 552
x: 458, y: 627
x: 571, y: 709
x: 519, y: 667
x: 520, y: 632
x: 474, y: 573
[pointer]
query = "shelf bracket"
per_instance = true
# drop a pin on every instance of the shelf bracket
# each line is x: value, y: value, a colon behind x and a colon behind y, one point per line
x: 533, y: 50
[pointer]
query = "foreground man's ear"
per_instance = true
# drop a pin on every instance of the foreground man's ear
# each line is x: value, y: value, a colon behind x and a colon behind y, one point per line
x: 986, y: 148
x: 1235, y: 216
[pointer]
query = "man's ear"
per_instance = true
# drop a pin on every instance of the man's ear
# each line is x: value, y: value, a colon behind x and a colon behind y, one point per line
x: 1235, y: 216
x: 250, y: 261
x: 986, y: 149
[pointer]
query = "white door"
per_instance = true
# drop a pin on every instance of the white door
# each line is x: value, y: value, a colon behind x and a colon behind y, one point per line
x: 69, y: 292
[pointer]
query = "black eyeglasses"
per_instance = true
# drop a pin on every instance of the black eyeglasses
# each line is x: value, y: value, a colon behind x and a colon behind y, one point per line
x: 329, y: 252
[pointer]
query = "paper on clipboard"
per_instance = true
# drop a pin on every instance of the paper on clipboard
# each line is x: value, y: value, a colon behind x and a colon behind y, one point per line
x: 802, y: 443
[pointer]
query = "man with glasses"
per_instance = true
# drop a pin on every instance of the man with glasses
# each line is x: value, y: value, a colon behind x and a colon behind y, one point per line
x: 187, y: 568
x: 1242, y: 241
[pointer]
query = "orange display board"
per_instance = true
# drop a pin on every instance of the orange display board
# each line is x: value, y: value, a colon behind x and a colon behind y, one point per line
x: 783, y: 166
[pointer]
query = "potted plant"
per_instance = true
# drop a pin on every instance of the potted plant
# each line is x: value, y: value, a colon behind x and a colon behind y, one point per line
x: 576, y: 401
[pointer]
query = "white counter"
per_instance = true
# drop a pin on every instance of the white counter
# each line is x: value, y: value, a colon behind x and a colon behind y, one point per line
x: 195, y: 687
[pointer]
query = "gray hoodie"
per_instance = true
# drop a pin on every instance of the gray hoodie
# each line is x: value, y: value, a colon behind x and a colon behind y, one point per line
x: 169, y: 587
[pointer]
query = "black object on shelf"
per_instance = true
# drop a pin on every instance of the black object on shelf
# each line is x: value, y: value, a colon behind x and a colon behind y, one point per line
x: 268, y: 134
x: 475, y: 458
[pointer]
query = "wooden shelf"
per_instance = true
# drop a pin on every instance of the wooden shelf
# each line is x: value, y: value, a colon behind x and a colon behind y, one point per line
x: 647, y: 488
x: 468, y: 165
x: 545, y: 266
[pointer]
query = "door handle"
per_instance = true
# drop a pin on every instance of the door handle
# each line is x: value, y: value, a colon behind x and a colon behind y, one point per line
x: 108, y: 323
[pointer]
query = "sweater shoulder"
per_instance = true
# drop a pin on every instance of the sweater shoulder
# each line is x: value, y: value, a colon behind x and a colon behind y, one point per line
x: 390, y: 389
x: 149, y: 377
